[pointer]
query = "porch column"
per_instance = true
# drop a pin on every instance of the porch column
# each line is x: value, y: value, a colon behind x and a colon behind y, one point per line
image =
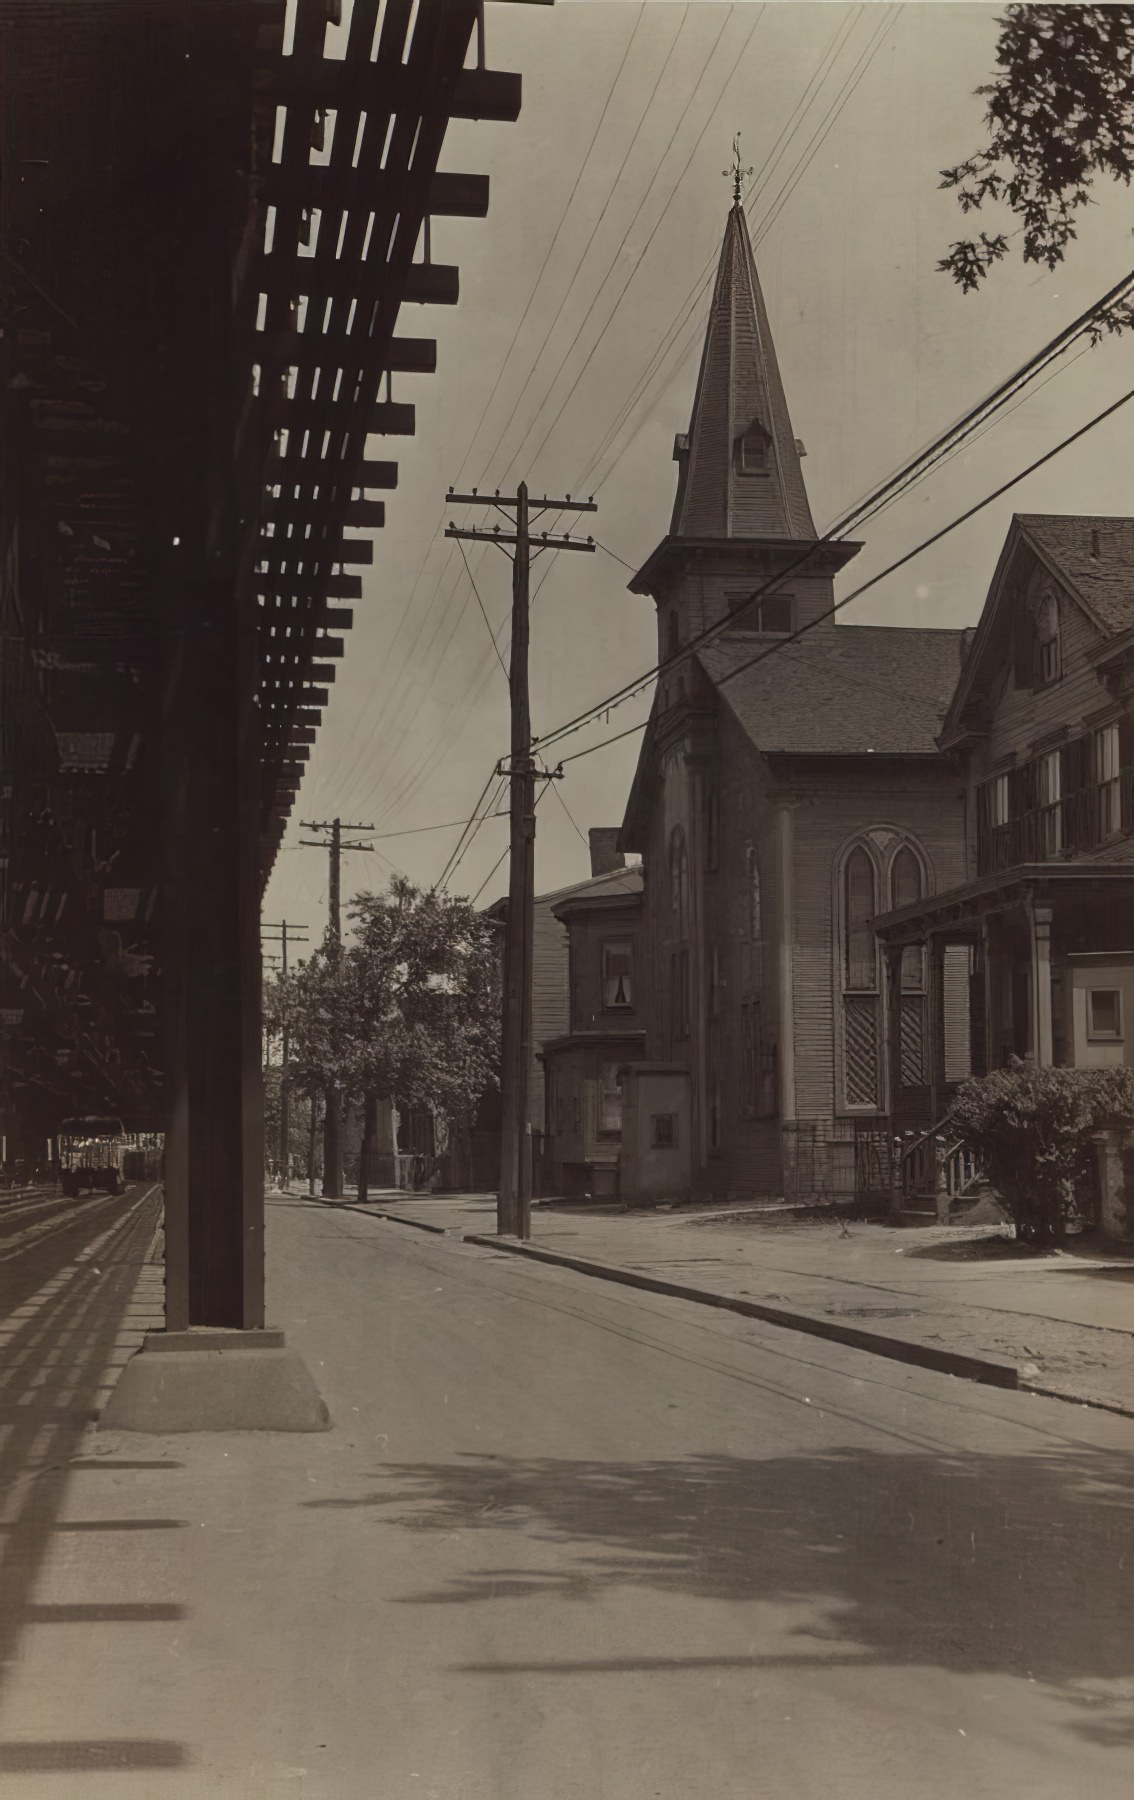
x: 785, y: 949
x: 936, y: 1023
x: 1041, y: 1035
x: 893, y: 954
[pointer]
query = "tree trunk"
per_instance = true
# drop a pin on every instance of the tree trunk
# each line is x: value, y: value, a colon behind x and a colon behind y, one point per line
x: 332, y: 1146
x: 369, y: 1126
x: 313, y: 1103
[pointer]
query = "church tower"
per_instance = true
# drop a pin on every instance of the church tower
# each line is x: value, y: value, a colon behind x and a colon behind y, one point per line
x: 741, y: 516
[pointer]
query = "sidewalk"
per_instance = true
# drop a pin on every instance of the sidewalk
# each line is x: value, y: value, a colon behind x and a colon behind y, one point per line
x: 1064, y: 1322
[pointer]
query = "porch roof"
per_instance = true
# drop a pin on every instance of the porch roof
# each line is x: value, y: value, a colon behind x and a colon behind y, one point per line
x: 961, y: 909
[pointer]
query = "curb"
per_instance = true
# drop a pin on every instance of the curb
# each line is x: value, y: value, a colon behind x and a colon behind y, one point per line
x: 924, y: 1356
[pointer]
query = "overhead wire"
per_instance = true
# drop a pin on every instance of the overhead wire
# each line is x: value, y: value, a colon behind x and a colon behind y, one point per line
x: 871, y: 503
x: 783, y: 643
x: 795, y: 119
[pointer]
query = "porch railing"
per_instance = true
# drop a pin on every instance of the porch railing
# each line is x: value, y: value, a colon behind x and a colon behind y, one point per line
x: 940, y: 1164
x: 1080, y: 821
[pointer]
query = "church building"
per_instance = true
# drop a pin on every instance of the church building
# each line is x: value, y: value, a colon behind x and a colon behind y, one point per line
x: 786, y: 795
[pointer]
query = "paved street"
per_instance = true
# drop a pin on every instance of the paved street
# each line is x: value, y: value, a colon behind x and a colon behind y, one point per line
x: 565, y: 1540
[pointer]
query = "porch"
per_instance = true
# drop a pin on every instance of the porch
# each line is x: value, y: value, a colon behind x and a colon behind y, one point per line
x: 1050, y: 960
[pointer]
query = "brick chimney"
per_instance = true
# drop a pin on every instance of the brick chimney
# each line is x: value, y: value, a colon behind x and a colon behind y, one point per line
x: 605, y: 854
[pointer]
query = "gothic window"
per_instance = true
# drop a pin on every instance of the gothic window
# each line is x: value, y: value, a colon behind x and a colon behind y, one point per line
x: 679, y: 881
x: 712, y: 827
x: 679, y: 957
x: 860, y: 955
x: 861, y: 999
x: 672, y: 633
x: 755, y: 928
x: 906, y: 887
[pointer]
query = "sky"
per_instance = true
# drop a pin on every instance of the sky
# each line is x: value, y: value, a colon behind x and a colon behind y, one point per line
x: 571, y: 359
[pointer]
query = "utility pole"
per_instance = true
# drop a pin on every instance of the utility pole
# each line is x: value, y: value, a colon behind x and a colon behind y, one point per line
x: 284, y: 926
x: 332, y: 841
x: 513, y: 1207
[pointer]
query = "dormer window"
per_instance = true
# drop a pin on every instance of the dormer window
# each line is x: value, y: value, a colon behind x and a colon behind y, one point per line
x: 753, y: 450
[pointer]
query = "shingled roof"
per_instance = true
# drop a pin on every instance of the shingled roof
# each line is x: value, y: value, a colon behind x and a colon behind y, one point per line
x: 739, y: 395
x: 850, y: 691
x: 1096, y: 557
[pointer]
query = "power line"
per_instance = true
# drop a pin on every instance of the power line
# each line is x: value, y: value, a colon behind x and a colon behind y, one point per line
x: 622, y: 245
x: 483, y: 614
x: 438, y: 744
x: 551, y: 247
x: 590, y: 240
x: 935, y: 537
x: 582, y: 839
x: 863, y: 509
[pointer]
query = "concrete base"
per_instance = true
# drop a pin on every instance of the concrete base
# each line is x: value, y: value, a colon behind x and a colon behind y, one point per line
x: 215, y: 1381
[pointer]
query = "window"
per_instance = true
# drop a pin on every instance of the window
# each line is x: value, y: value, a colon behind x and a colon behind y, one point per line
x: 610, y: 1101
x: 1047, y: 640
x: 679, y: 880
x: 672, y: 633
x: 998, y: 800
x: 715, y: 1114
x: 1050, y: 767
x: 758, y: 1095
x: 679, y: 994
x: 755, y: 924
x: 752, y: 451
x: 861, y: 957
x: 1104, y: 1013
x: 714, y: 983
x: 906, y: 887
x: 712, y: 829
x: 772, y: 614
x: 663, y: 1131
x: 617, y: 976
x: 1104, y: 749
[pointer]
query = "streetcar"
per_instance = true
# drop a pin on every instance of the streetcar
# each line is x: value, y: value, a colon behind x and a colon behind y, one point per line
x: 92, y: 1155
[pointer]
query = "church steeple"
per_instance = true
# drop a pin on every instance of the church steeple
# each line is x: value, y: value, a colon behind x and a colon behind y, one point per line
x: 740, y: 474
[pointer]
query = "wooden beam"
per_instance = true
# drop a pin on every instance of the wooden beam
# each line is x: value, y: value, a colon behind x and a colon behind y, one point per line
x: 277, y: 588
x: 287, y: 277
x: 389, y: 418
x: 486, y: 94
x: 334, y: 349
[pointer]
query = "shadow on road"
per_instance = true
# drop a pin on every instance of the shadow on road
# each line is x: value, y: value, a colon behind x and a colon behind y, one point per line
x: 1016, y: 1565
x: 66, y: 1302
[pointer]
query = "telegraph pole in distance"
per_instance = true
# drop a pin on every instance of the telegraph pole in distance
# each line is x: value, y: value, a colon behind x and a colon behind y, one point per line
x: 332, y: 841
x: 513, y: 1206
x: 283, y: 927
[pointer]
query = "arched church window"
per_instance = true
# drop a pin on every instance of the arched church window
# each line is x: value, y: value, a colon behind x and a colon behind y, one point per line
x: 672, y: 632
x: 907, y: 886
x: 679, y: 879
x: 860, y: 960
x: 754, y: 920
x: 679, y: 953
x: 906, y: 890
x: 860, y: 1024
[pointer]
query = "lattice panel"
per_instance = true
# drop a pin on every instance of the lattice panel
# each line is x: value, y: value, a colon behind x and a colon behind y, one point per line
x: 913, y: 1040
x: 861, y: 1046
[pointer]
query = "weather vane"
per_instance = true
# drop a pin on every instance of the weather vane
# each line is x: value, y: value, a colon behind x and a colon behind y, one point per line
x: 738, y: 174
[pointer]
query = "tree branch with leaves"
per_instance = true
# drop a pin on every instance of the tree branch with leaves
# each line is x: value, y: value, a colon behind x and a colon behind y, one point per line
x: 1060, y: 115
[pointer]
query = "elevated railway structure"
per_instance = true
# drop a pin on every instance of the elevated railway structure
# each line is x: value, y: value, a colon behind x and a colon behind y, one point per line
x: 216, y: 243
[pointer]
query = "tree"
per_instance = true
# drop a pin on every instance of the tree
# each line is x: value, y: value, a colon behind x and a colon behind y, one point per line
x: 1060, y: 114
x: 1034, y: 1129
x: 408, y: 1011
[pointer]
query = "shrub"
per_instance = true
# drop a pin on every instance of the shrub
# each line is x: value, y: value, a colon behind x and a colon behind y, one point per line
x: 1033, y: 1127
